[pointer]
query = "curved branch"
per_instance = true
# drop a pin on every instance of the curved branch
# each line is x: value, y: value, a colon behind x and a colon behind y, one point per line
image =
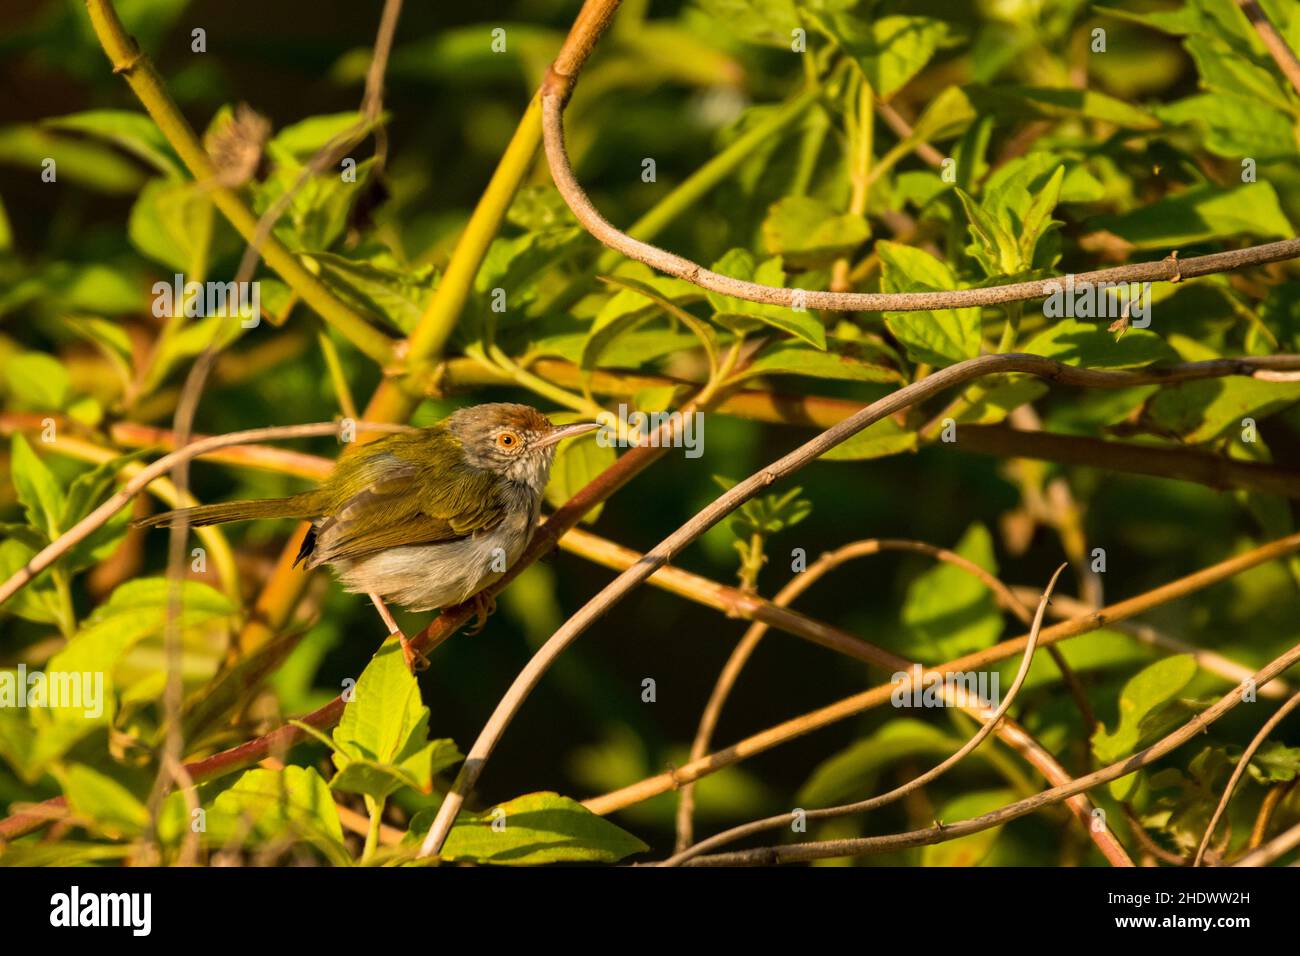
x: 553, y: 95
x: 916, y: 783
x: 745, y: 647
x: 1121, y: 768
x: 730, y: 500
x: 875, y: 696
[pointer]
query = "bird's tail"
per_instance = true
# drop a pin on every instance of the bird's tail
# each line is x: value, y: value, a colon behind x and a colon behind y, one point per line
x: 299, y: 506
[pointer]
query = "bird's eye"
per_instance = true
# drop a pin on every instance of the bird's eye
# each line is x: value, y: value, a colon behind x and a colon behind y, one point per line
x: 507, y: 440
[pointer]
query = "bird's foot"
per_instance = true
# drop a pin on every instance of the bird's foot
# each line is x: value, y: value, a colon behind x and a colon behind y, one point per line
x: 415, y: 661
x: 484, y: 605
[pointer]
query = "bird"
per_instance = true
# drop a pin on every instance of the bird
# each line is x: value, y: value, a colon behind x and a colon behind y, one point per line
x: 425, y: 518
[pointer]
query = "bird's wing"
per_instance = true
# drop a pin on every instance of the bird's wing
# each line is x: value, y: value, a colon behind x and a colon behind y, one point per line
x: 390, y: 497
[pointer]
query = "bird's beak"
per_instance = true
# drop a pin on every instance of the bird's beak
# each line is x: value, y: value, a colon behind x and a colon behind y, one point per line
x: 567, y: 431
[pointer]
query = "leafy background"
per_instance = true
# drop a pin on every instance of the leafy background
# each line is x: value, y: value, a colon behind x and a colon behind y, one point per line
x: 1145, y: 162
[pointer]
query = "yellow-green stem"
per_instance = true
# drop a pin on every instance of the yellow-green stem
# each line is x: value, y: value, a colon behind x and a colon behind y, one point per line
x: 147, y: 85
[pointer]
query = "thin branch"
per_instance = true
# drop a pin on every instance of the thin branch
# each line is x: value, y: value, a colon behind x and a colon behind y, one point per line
x: 1212, y: 662
x: 1242, y: 764
x: 745, y: 647
x: 733, y: 498
x: 372, y: 106
x: 876, y: 696
x: 903, y: 130
x: 916, y: 783
x: 553, y: 95
x: 1160, y: 461
x: 1196, y: 726
x: 143, y: 78
x: 1281, y: 844
x: 1282, y: 54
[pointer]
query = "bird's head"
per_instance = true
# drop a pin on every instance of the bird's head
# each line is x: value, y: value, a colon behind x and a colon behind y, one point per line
x: 515, y: 441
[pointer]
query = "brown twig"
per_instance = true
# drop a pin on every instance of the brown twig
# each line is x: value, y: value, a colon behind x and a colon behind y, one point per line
x: 874, y: 697
x: 733, y: 498
x: 1282, y: 54
x: 1165, y: 270
x: 794, y: 588
x: 1283, y: 843
x: 1196, y: 726
x: 1267, y: 807
x: 1242, y: 764
x: 916, y: 783
x: 1064, y: 606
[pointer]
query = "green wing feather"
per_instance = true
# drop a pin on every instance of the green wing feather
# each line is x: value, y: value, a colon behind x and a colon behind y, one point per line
x: 407, y: 488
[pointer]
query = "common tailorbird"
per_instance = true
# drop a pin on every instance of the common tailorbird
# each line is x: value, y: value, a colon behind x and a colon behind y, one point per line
x: 427, y: 518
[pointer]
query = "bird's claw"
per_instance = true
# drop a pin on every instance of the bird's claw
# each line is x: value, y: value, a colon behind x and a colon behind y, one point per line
x: 415, y: 661
x: 484, y: 605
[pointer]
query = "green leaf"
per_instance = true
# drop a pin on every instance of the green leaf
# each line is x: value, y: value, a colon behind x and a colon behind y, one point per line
x: 995, y: 247
x: 577, y: 462
x: 1024, y: 102
x: 534, y: 829
x: 38, y: 601
x: 735, y: 313
x: 318, y: 212
x: 624, y: 312
x: 134, y: 132
x: 767, y: 22
x: 382, y: 740
x: 87, y: 492
x: 1142, y: 696
x: 1202, y: 213
x: 173, y: 222
x: 304, y: 139
x: 379, y: 286
x: 851, y: 774
x: 1201, y: 411
x: 629, y: 350
x: 807, y: 232
x: 949, y: 612
x: 879, y: 440
x: 701, y: 330
x: 36, y: 380
x: 38, y: 491
x: 1274, y: 762
x: 941, y: 337
x: 890, y: 50
x: 1234, y: 126
x: 1037, y: 219
x: 293, y: 804
x: 968, y: 850
x: 1225, y: 71
x: 844, y: 360
x: 1093, y: 346
x: 136, y: 610
x: 79, y: 162
x: 947, y: 115
x: 110, y: 806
